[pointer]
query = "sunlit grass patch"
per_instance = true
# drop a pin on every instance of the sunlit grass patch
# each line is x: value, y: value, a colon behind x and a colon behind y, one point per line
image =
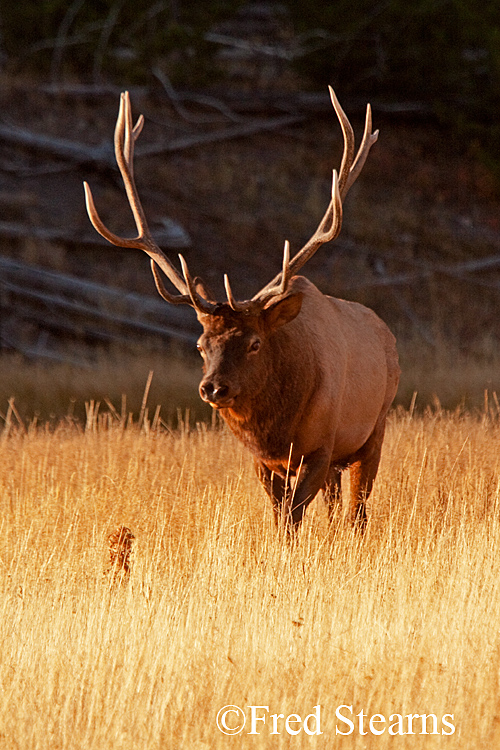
x: 217, y: 610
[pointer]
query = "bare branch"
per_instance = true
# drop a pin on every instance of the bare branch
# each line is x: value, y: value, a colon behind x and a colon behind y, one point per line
x: 61, y: 39
x: 176, y: 101
x: 106, y: 32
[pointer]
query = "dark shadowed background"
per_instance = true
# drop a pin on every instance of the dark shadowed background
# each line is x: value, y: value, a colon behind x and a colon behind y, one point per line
x: 235, y: 157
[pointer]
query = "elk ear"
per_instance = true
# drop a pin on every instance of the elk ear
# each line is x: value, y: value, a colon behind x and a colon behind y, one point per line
x: 203, y: 289
x: 282, y: 311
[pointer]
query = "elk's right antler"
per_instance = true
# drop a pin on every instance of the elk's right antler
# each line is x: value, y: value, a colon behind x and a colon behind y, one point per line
x: 331, y: 223
x: 125, y: 138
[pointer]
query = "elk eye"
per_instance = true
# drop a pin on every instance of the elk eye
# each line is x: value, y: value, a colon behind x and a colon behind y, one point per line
x: 254, y: 346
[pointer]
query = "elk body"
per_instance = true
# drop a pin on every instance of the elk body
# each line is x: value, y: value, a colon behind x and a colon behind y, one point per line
x: 304, y: 380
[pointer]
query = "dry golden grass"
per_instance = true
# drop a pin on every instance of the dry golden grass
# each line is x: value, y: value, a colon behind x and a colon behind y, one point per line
x: 51, y: 391
x: 217, y: 610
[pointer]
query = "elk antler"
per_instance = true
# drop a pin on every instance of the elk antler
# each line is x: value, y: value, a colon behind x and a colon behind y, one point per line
x: 350, y: 169
x: 331, y: 223
x: 125, y: 138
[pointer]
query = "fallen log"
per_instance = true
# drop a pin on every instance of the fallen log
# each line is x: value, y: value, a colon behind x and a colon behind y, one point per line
x: 102, y: 156
x: 56, y: 299
x: 174, y: 237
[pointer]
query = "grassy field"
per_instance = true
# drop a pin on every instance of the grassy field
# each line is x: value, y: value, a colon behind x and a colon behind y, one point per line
x: 217, y: 611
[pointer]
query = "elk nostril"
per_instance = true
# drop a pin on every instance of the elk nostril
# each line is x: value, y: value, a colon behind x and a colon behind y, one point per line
x: 221, y: 392
x: 207, y: 391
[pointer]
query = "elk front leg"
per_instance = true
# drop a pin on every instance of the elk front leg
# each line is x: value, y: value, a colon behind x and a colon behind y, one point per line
x: 310, y: 478
x: 275, y: 486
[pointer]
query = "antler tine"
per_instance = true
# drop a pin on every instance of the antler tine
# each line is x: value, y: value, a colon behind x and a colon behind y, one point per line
x: 236, y: 306
x: 351, y: 167
x: 285, y: 273
x: 174, y: 299
x: 125, y: 137
x: 348, y: 133
x: 124, y: 140
x: 199, y: 303
x: 126, y: 134
x: 273, y: 289
x: 367, y: 142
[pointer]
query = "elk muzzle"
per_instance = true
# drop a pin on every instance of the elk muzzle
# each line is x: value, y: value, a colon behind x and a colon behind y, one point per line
x: 219, y: 395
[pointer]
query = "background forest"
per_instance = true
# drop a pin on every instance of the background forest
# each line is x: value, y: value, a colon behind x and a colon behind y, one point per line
x: 443, y: 55
x: 236, y: 156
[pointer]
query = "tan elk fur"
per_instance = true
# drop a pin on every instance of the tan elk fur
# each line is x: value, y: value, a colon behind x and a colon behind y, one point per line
x: 318, y: 394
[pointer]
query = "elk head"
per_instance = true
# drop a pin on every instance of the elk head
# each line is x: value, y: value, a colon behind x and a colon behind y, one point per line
x: 234, y: 344
x: 236, y: 334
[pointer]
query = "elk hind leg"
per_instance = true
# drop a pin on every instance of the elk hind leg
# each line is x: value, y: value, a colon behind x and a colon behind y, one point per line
x: 362, y: 472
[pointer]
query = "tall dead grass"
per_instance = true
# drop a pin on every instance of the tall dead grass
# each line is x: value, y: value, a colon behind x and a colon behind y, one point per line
x: 51, y: 391
x: 217, y: 610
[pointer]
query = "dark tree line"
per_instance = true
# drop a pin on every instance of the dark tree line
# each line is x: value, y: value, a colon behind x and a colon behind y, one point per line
x: 443, y: 54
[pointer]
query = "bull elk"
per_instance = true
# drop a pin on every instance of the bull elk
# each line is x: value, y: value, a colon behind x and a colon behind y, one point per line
x: 304, y: 380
